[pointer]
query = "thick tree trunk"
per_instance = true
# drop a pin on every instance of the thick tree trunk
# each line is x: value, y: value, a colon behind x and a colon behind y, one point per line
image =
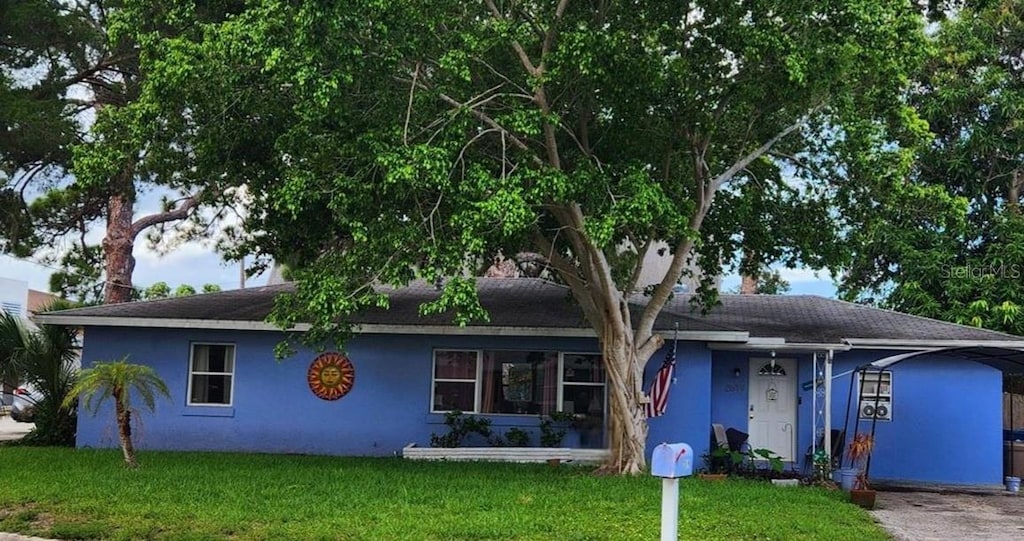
x: 124, y: 431
x: 118, y: 245
x: 627, y: 423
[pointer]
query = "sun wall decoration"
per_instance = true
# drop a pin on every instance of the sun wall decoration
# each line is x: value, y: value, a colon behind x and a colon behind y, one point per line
x: 331, y: 375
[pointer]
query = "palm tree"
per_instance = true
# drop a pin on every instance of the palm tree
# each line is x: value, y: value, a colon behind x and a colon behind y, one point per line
x: 117, y: 380
x: 44, y: 357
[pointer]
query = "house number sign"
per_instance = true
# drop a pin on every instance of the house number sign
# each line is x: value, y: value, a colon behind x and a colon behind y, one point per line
x: 331, y: 375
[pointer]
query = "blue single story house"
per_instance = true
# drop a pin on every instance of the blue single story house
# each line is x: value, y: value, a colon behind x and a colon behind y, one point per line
x: 780, y: 368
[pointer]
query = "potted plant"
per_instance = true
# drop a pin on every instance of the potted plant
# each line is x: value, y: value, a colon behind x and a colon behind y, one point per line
x: 719, y: 462
x: 859, y: 450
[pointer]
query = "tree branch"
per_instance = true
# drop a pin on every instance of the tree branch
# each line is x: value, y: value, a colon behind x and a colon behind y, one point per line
x: 179, y: 213
x: 743, y: 162
x: 516, y: 46
x: 661, y: 293
x: 483, y: 117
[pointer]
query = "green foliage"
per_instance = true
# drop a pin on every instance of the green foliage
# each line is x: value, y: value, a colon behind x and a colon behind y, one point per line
x: 775, y: 463
x: 262, y: 496
x: 441, y: 133
x: 45, y: 359
x: 517, y: 437
x: 743, y: 463
x: 460, y: 427
x: 724, y: 460
x: 946, y: 243
x: 413, y: 171
x: 118, y: 381
x: 554, y: 426
x: 160, y: 290
x: 80, y: 142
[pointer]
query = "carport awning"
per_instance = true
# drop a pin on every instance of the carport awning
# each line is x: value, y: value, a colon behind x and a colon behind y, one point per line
x: 1008, y: 360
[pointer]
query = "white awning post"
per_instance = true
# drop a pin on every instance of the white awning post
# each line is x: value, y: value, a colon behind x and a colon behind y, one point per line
x: 828, y: 408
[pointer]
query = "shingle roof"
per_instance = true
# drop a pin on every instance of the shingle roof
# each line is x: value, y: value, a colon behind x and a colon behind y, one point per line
x: 813, y: 319
x: 535, y: 303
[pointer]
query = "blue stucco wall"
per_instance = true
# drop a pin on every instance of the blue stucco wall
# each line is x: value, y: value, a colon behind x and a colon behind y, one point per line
x: 946, y: 414
x: 946, y: 426
x: 273, y: 409
x: 947, y: 420
x: 688, y: 414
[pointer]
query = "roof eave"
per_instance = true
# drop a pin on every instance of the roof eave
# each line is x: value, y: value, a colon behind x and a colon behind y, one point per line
x: 221, y: 324
x: 778, y: 345
x: 903, y: 344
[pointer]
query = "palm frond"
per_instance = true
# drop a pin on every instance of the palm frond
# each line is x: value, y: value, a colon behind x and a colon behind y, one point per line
x: 115, y: 379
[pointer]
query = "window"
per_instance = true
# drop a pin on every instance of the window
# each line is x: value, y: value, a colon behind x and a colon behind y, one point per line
x: 772, y: 369
x: 455, y: 376
x: 518, y: 382
x: 583, y: 384
x: 211, y: 372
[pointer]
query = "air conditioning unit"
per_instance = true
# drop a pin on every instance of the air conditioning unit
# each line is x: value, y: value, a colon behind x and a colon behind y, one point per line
x: 880, y: 410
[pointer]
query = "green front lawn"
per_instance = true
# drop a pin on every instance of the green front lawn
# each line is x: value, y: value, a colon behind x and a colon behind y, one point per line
x: 86, y: 494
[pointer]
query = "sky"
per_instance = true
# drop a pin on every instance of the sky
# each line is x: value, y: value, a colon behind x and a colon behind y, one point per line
x: 190, y: 264
x: 196, y: 265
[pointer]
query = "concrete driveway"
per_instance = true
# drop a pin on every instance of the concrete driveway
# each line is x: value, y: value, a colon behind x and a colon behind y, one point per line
x: 13, y: 430
x: 942, y: 515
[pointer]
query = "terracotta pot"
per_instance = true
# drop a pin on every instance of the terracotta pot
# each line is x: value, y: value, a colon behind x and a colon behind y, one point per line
x: 712, y: 476
x: 863, y: 498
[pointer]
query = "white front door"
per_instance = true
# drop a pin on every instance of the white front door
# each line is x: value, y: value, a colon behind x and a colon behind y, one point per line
x: 772, y: 408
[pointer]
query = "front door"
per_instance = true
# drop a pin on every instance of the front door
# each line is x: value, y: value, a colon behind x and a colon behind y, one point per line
x: 772, y: 408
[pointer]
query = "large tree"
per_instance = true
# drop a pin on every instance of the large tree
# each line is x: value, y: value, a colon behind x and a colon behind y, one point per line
x: 75, y: 156
x: 403, y: 140
x: 950, y: 246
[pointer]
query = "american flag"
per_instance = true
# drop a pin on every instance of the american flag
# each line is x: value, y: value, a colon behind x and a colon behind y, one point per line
x: 660, y: 388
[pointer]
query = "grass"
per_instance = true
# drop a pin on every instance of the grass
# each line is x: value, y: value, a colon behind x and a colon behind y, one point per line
x: 87, y: 494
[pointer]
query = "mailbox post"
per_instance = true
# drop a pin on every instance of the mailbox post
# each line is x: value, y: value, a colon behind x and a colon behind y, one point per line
x: 670, y: 461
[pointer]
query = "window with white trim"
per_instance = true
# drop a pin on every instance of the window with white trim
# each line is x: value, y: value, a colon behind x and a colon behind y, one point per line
x: 211, y: 374
x: 583, y: 384
x: 455, y: 377
x: 514, y: 382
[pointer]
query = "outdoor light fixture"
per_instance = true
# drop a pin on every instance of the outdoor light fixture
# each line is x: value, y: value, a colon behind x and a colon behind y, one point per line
x: 736, y: 372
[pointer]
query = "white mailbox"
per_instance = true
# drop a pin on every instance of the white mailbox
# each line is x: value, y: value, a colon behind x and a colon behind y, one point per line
x: 672, y: 460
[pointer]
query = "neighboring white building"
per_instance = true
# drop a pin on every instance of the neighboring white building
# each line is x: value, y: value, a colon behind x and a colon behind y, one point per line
x: 14, y: 297
x: 656, y: 263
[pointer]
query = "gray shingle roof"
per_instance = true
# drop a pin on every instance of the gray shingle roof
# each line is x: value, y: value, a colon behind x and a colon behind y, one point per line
x: 813, y: 319
x: 537, y: 303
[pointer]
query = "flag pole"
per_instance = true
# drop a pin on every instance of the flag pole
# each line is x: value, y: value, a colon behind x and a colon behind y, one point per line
x: 675, y: 341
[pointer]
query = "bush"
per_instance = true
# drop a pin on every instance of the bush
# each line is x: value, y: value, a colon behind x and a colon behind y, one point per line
x: 44, y: 358
x: 459, y: 427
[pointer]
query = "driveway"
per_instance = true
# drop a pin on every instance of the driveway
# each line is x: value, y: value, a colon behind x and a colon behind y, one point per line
x: 935, y: 516
x: 13, y: 430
